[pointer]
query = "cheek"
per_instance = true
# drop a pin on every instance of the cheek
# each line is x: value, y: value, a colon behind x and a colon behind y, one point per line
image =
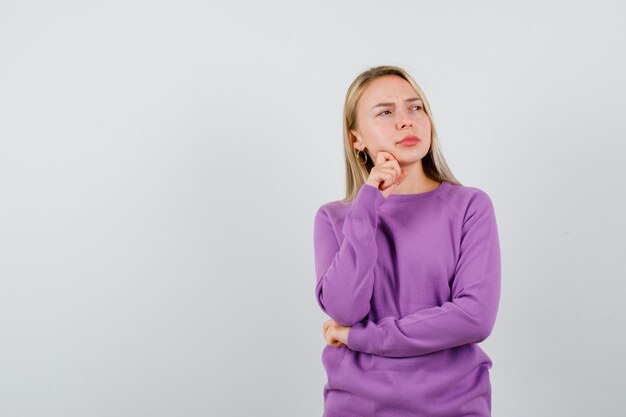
x: 378, y: 134
x: 424, y: 123
x: 424, y: 120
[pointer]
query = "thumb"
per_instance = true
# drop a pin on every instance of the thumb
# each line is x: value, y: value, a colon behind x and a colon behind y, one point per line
x: 380, y: 158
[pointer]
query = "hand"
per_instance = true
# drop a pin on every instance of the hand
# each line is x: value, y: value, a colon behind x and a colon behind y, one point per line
x: 386, y: 174
x: 335, y: 334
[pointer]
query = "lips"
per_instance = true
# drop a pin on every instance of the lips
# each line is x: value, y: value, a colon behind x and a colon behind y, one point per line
x: 411, y: 139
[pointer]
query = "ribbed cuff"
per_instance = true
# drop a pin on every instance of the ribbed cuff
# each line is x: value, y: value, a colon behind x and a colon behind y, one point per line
x: 365, y: 337
x: 365, y: 204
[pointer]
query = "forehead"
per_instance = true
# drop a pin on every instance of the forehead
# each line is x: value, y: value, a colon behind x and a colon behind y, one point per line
x: 387, y: 88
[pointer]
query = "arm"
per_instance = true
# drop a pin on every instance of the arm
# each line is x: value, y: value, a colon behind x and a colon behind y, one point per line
x: 470, y: 315
x: 344, y: 272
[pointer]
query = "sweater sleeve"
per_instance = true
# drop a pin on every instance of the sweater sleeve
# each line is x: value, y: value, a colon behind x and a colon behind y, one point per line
x: 475, y: 295
x: 344, y: 273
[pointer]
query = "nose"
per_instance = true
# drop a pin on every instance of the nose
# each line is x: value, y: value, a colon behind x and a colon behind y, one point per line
x: 404, y: 123
x: 404, y: 120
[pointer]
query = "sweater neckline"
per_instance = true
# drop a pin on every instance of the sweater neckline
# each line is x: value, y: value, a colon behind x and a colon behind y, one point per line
x: 400, y: 198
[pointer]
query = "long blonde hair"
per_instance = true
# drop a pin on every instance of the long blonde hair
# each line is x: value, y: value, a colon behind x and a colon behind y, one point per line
x: 433, y: 163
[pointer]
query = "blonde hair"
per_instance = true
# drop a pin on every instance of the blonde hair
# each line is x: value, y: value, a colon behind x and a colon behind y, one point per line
x: 433, y: 163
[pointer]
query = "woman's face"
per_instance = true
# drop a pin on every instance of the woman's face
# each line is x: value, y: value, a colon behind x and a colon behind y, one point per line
x: 387, y: 112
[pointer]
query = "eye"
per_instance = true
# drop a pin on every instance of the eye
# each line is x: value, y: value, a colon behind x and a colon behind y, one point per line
x: 418, y: 106
x: 383, y: 112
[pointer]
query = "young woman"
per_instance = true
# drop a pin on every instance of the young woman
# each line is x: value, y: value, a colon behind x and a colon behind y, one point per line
x: 407, y: 266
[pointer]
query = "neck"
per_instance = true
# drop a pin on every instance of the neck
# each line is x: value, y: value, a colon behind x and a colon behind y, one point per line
x: 416, y: 181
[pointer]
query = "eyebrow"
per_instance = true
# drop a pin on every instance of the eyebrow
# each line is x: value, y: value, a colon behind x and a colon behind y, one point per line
x: 408, y: 100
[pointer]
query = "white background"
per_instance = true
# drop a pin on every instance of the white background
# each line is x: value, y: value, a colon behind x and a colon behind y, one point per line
x: 161, y: 163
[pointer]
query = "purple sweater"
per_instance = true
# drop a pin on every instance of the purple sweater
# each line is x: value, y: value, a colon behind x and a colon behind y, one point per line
x: 417, y: 276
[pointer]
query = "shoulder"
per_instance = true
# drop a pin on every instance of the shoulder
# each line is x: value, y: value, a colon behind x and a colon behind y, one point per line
x: 464, y: 200
x: 332, y: 211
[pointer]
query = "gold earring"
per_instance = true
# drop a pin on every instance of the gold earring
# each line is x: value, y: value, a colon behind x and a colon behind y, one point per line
x: 359, y: 159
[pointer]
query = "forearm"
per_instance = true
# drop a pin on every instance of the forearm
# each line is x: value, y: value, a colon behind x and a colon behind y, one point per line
x: 345, y: 272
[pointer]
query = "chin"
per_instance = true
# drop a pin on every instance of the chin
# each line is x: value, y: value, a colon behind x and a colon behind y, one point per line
x: 408, y: 161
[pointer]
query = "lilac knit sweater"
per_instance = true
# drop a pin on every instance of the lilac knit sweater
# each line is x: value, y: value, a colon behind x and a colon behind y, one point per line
x: 417, y: 276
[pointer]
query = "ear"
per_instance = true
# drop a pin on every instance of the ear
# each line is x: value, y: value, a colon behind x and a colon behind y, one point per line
x: 356, y: 140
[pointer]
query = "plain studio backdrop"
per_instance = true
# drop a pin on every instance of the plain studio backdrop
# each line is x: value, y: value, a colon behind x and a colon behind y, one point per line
x: 161, y: 164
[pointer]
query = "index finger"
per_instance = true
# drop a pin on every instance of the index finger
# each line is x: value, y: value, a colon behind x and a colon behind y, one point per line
x: 384, y: 156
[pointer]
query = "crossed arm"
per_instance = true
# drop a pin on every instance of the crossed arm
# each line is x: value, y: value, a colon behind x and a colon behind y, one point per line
x: 345, y: 287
